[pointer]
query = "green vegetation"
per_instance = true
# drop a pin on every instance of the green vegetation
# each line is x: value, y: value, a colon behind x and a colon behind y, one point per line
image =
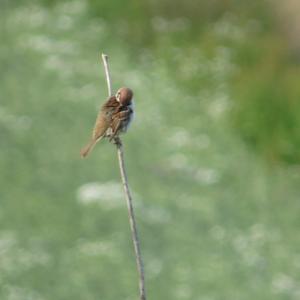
x: 212, y: 155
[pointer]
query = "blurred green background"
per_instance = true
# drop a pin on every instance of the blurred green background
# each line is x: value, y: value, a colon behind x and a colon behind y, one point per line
x: 212, y: 157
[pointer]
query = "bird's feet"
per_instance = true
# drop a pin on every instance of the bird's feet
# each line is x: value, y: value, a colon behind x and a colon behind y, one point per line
x: 117, y: 141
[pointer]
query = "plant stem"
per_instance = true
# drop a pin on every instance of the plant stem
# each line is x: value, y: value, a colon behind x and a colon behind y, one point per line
x: 133, y: 226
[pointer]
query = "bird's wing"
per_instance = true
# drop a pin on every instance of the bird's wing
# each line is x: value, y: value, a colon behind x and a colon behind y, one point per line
x: 119, y: 118
x: 104, y: 117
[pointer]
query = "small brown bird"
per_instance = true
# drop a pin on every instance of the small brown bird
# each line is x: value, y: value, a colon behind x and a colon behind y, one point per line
x: 114, y: 117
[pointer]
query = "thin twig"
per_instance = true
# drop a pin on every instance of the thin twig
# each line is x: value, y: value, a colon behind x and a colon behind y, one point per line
x: 107, y: 73
x: 134, y: 233
x: 133, y: 226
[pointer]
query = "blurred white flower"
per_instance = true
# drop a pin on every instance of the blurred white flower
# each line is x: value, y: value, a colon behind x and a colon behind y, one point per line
x: 75, y: 7
x: 161, y: 24
x: 180, y: 138
x: 13, y: 292
x: 7, y: 241
x: 154, y: 266
x: 207, y: 176
x: 183, y: 291
x: 93, y: 248
x: 283, y: 283
x: 108, y: 194
x: 155, y: 214
x: 16, y: 259
x: 178, y: 161
x: 15, y: 122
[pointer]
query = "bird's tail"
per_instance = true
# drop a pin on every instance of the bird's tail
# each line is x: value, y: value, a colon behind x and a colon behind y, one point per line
x: 88, y: 148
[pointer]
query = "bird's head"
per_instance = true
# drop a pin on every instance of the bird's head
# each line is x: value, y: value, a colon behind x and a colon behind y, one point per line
x: 124, y: 96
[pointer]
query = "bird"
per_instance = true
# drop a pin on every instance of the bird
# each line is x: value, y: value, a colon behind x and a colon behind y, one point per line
x: 113, y: 118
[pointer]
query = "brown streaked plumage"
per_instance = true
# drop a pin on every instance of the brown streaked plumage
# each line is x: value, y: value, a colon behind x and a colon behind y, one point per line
x: 114, y: 117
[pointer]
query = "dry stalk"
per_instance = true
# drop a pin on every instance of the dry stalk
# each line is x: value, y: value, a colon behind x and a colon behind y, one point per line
x: 133, y: 226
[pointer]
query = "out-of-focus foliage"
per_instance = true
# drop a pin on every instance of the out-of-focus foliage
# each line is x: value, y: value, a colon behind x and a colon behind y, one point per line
x: 212, y: 155
x: 252, y: 35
